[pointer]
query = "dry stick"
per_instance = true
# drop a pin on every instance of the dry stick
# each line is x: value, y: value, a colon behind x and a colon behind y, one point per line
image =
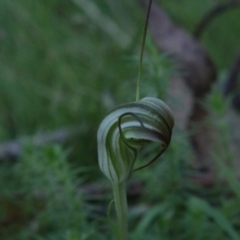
x: 196, y: 69
x: 232, y: 76
x: 212, y: 14
x: 12, y: 149
x: 231, y: 83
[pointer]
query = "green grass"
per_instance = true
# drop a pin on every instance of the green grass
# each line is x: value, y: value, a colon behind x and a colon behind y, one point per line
x: 67, y: 63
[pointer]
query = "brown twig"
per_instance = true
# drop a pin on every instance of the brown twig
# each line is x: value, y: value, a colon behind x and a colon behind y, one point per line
x: 231, y: 83
x: 196, y: 69
x: 12, y: 149
x: 212, y: 14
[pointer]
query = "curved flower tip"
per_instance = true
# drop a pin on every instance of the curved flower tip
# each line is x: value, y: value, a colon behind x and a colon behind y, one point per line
x: 126, y: 130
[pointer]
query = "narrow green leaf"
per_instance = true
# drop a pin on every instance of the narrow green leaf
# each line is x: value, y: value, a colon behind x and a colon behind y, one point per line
x: 111, y: 222
x: 147, y: 220
x: 217, y: 216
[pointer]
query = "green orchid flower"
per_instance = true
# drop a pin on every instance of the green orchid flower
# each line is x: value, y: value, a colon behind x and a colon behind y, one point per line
x: 129, y: 128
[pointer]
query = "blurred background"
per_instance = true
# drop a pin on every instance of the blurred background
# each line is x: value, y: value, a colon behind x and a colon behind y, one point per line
x: 63, y: 66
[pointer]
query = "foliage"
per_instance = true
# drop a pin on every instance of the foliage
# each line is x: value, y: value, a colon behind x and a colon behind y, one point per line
x: 67, y: 63
x: 40, y: 197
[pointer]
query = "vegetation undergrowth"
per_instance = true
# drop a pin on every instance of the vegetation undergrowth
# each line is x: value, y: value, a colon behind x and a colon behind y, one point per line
x: 60, y: 65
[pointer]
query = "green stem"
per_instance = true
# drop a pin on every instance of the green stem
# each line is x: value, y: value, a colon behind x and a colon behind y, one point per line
x: 142, y: 50
x: 119, y: 193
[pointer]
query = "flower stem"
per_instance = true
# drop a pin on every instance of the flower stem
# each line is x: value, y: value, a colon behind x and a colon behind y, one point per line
x: 142, y: 49
x: 120, y: 198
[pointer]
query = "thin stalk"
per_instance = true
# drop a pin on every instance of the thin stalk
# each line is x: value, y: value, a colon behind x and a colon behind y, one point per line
x: 142, y: 50
x: 120, y: 199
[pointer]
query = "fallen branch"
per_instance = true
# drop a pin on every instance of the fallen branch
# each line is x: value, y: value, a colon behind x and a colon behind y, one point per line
x: 232, y: 83
x: 212, y: 14
x: 197, y: 70
x: 12, y: 149
x: 196, y: 67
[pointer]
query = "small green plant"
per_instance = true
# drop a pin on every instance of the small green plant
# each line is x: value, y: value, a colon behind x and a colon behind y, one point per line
x: 40, y: 197
x: 123, y: 133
